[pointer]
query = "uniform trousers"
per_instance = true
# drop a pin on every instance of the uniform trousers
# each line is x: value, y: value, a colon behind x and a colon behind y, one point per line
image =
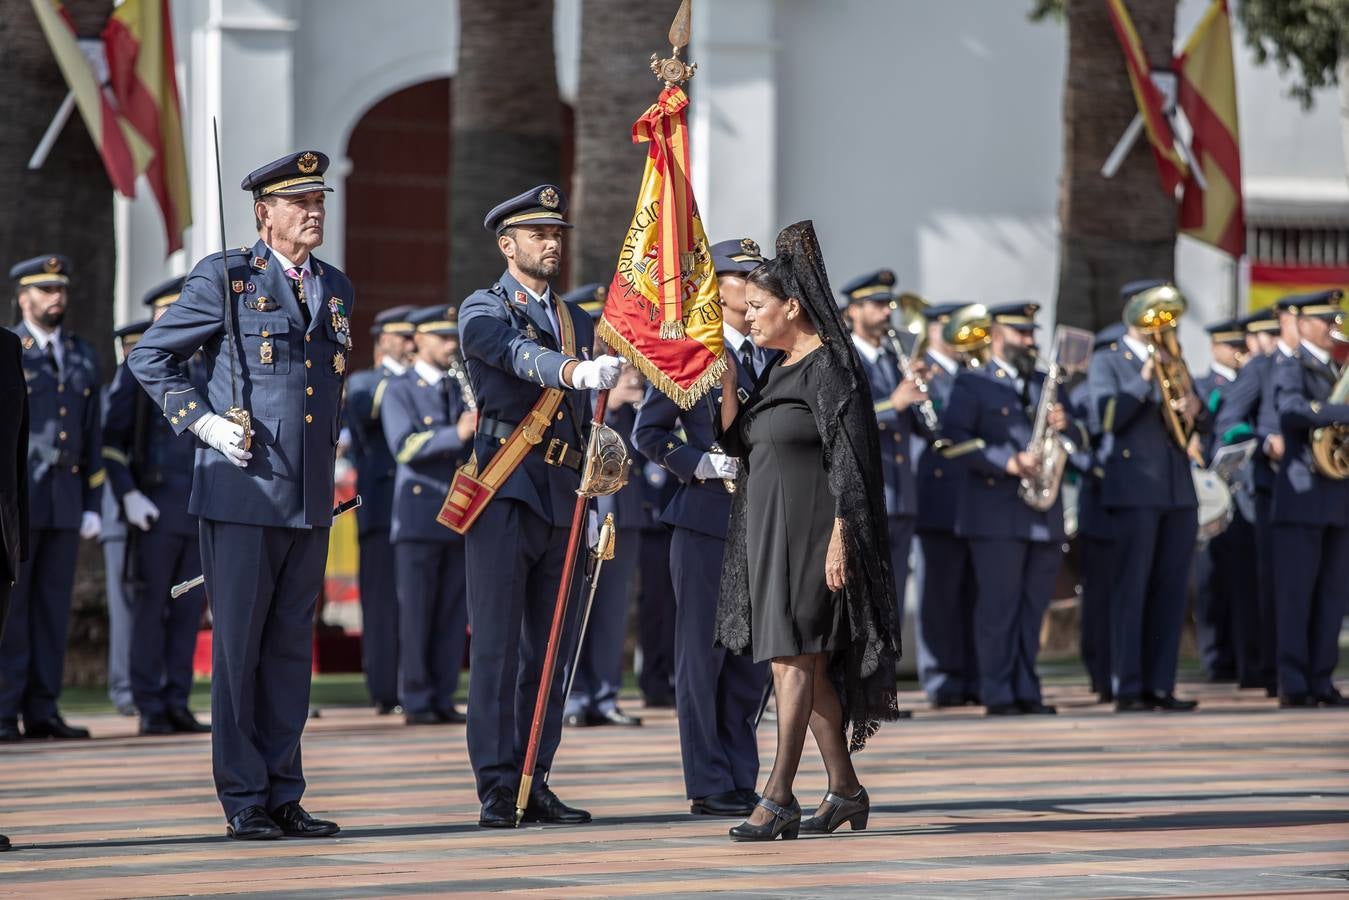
x: 515, y: 560
x: 656, y: 618
x: 947, y: 661
x: 432, y: 622
x: 33, y: 651
x: 263, y: 585
x: 119, y: 622
x: 164, y: 630
x: 1268, y: 642
x: 901, y: 541
x: 379, y: 617
x: 1098, y: 578
x: 1153, y: 550
x: 1212, y: 612
x: 1311, y: 572
x: 1014, y: 581
x: 1226, y: 602
x: 717, y: 693
x: 599, y: 677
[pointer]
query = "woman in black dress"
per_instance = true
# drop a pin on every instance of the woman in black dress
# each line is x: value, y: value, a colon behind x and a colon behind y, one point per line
x: 806, y: 581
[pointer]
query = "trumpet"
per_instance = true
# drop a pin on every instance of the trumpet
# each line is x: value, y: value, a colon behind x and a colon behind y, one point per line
x: 1157, y: 312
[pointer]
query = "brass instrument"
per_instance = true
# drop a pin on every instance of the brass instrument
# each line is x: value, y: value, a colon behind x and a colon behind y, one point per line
x: 1157, y: 312
x: 1330, y: 443
x: 926, y: 410
x: 1051, y: 449
x: 458, y: 370
x: 969, y: 332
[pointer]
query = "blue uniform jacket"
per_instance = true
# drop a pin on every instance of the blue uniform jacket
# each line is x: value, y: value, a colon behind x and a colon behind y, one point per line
x: 65, y: 475
x: 419, y: 425
x: 1212, y: 389
x: 986, y: 426
x: 369, y: 451
x: 896, y: 432
x: 939, y: 479
x: 1241, y: 412
x: 289, y: 378
x: 512, y: 354
x: 1302, y: 386
x: 142, y: 452
x: 1143, y: 465
x: 677, y: 439
x: 1086, y: 463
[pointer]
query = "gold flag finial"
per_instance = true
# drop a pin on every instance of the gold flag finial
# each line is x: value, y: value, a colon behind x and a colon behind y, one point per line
x: 675, y: 71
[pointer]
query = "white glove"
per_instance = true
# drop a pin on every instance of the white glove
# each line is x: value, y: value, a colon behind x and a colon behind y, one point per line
x: 223, y: 435
x: 91, y: 525
x: 598, y: 374
x: 140, y: 510
x: 717, y: 465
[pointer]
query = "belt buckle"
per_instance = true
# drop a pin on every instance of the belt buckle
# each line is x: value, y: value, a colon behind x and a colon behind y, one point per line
x: 556, y: 453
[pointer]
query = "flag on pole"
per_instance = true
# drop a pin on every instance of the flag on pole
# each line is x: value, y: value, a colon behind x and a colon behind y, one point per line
x: 1208, y: 94
x: 1171, y: 168
x: 125, y: 154
x: 139, y: 43
x: 663, y: 310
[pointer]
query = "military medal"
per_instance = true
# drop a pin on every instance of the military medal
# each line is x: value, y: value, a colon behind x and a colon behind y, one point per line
x: 265, y: 353
x: 237, y: 286
x: 250, y: 287
x: 339, y: 362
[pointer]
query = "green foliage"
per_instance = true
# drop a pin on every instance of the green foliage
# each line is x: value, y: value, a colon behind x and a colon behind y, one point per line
x: 1306, y: 35
x: 1047, y: 9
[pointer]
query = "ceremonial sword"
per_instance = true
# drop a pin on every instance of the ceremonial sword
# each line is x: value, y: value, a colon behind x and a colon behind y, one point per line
x: 179, y: 589
x: 604, y: 550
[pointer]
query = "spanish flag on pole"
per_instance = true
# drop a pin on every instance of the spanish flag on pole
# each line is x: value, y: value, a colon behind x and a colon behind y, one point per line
x: 139, y: 43
x: 663, y: 310
x: 1208, y: 94
x: 1151, y: 104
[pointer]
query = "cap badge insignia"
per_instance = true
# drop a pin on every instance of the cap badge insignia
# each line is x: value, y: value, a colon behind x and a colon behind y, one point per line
x: 601, y: 292
x: 339, y: 362
x: 265, y: 353
x: 548, y: 198
x: 307, y: 164
x: 237, y: 286
x: 749, y: 246
x: 52, y: 266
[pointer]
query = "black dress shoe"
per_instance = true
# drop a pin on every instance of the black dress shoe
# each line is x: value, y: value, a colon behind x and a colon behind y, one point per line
x: 616, y: 716
x: 658, y: 701
x: 4, y: 843
x: 544, y: 807
x: 451, y: 716
x: 1132, y: 705
x: 786, y: 823
x: 1003, y: 709
x: 947, y: 701
x: 578, y: 720
x: 295, y: 822
x: 128, y: 709
x: 1334, y: 698
x: 1170, y: 703
x: 252, y: 824
x: 387, y: 708
x: 55, y: 727
x: 1297, y: 701
x: 1106, y: 696
x: 183, y: 721
x: 1036, y: 708
x: 729, y: 803
x: 498, y: 809
x: 155, y: 725
x: 9, y: 731
x: 425, y: 717
x: 972, y: 700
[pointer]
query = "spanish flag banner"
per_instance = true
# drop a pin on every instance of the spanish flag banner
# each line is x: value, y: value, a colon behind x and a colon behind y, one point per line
x: 1270, y: 282
x: 1151, y: 104
x: 663, y: 310
x: 1208, y: 94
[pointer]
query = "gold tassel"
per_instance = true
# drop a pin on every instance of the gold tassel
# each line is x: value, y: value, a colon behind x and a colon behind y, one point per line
x: 671, y: 331
x: 666, y: 385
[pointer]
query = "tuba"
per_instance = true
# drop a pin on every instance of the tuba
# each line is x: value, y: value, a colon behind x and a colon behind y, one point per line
x: 969, y: 332
x: 1330, y: 443
x: 1157, y: 312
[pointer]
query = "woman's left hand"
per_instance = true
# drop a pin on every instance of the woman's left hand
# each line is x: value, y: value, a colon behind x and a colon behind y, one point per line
x: 835, y: 571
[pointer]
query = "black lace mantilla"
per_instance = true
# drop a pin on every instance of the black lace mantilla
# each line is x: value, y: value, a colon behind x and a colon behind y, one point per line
x: 863, y: 668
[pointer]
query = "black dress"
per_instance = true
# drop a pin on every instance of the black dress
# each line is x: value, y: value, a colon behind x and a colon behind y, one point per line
x: 789, y: 514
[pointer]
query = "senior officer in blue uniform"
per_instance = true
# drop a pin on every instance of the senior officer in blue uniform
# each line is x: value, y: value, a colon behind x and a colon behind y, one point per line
x: 116, y: 555
x: 369, y: 452
x: 519, y: 341
x: 1311, y: 512
x: 867, y: 303
x: 1016, y: 550
x: 150, y: 477
x: 599, y: 676
x: 947, y: 662
x: 429, y: 429
x: 1149, y: 493
x: 65, y: 493
x: 716, y: 693
x: 265, y: 503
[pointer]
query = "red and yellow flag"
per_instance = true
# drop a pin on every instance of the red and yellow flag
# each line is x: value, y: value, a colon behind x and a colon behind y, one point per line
x: 125, y: 154
x: 1151, y: 105
x: 1208, y: 94
x: 663, y: 310
x: 139, y: 43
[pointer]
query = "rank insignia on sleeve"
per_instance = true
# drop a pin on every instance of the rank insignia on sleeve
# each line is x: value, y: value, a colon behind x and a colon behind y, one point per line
x: 339, y: 362
x: 237, y: 286
x: 265, y: 353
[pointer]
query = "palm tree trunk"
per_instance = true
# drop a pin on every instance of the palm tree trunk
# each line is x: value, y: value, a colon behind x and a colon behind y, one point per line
x: 1112, y: 230
x: 64, y: 207
x: 614, y: 88
x: 506, y: 124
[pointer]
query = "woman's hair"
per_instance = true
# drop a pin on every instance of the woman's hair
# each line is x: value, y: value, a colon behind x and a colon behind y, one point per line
x: 771, y: 276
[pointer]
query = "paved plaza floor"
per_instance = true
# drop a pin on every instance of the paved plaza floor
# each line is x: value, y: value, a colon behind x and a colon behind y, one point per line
x: 1237, y: 800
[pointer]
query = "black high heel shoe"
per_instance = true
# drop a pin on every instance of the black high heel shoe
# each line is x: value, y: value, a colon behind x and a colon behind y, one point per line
x: 786, y: 822
x: 854, y: 810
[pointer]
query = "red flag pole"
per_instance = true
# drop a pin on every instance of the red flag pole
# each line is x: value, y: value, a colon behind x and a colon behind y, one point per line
x: 555, y: 634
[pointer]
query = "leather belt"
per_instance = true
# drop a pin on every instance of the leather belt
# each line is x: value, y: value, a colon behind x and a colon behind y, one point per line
x: 557, y: 453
